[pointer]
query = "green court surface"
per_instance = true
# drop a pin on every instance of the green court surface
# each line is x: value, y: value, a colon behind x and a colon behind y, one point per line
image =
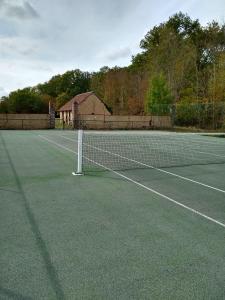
x: 127, y: 234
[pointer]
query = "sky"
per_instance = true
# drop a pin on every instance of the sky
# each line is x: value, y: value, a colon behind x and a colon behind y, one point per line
x: 39, y: 38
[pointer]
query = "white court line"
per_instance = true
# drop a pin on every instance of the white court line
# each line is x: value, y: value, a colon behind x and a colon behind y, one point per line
x: 194, y: 138
x: 140, y: 184
x: 216, y: 143
x: 208, y: 153
x: 155, y: 168
x: 217, y: 147
x: 193, y: 150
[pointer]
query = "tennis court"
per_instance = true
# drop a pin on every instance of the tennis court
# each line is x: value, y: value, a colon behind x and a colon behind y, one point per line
x: 145, y: 221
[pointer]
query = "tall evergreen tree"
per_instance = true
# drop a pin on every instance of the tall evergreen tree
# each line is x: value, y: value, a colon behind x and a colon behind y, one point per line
x: 159, y: 98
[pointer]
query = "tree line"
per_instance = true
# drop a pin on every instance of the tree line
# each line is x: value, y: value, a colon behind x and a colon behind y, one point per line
x: 182, y: 64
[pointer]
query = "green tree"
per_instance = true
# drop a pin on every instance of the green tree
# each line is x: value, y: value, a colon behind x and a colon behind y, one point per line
x: 61, y: 100
x: 174, y: 56
x: 4, y: 105
x: 75, y: 82
x: 97, y: 83
x: 159, y: 98
x: 71, y: 82
x: 181, y: 25
x: 190, y: 57
x: 51, y: 88
x: 26, y: 101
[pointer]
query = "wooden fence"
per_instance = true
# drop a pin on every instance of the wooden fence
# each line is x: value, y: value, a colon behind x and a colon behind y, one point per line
x: 119, y: 122
x: 26, y: 121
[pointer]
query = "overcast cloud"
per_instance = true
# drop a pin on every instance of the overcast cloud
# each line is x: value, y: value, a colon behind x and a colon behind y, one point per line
x: 39, y: 38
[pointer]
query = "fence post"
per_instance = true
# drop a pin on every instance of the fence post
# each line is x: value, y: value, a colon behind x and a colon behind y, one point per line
x: 51, y: 115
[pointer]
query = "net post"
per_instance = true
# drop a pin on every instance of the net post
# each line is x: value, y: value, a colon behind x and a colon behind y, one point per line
x: 79, y: 153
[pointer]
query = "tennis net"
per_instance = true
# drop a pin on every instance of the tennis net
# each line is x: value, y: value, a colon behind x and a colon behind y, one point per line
x: 125, y: 150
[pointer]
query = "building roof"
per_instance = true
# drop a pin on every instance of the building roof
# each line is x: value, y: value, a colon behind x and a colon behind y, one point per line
x: 78, y: 99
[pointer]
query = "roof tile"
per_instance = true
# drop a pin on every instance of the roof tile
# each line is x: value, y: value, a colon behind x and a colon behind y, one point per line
x: 78, y: 99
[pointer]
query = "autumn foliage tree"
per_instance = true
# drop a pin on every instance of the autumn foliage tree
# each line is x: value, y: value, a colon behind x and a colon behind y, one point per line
x: 181, y: 62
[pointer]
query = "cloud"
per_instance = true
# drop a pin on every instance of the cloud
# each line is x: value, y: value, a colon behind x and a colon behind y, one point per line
x: 17, y: 47
x: 79, y: 34
x: 118, y: 54
x: 21, y: 11
x: 16, y: 74
x: 3, y: 92
x: 2, y: 3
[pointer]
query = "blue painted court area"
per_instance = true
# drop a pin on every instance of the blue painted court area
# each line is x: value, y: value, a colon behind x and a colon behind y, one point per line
x: 145, y: 221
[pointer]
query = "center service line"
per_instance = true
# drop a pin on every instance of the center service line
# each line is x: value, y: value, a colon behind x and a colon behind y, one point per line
x: 141, y: 185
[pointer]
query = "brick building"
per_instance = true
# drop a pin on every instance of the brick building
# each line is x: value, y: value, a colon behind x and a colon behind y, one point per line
x: 82, y: 104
